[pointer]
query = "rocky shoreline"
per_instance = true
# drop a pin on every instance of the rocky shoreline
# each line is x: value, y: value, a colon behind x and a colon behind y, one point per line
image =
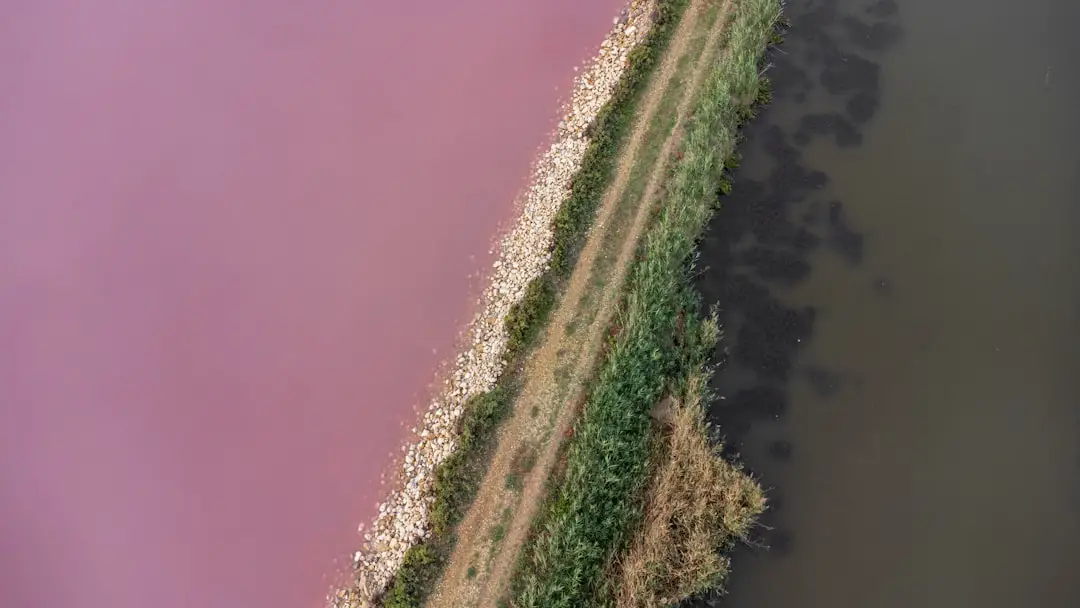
x: 524, y: 254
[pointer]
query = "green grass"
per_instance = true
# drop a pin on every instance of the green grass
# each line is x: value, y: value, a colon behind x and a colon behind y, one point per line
x: 458, y: 478
x: 657, y: 346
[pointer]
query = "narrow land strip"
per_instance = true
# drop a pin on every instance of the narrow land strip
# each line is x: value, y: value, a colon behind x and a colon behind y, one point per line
x: 659, y: 343
x: 495, y: 527
x: 623, y: 240
x: 591, y: 346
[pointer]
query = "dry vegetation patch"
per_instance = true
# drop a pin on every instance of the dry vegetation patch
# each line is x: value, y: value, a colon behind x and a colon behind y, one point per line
x: 697, y: 506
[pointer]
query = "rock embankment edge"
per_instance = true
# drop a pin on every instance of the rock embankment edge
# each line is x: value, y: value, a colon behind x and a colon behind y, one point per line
x: 525, y: 256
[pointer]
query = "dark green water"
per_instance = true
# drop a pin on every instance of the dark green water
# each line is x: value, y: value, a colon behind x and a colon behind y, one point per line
x: 899, y: 268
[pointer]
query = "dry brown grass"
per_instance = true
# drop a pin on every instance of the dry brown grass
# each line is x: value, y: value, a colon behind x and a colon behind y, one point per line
x: 697, y: 506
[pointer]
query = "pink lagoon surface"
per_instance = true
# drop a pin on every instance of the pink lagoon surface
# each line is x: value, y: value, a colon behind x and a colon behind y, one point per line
x: 231, y: 235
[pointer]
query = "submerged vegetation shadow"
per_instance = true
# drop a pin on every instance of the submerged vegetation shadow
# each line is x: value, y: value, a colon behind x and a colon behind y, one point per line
x: 780, y: 221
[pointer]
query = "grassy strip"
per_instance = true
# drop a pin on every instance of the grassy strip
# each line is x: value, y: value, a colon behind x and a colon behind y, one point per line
x: 459, y: 477
x: 656, y: 350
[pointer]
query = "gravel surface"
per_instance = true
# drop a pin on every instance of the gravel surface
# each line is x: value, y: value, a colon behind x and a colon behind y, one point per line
x: 524, y: 254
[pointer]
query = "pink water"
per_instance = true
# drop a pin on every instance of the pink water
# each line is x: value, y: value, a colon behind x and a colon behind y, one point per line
x: 231, y: 235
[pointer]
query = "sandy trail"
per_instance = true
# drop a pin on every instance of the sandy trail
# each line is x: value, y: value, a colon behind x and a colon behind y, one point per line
x: 495, y: 527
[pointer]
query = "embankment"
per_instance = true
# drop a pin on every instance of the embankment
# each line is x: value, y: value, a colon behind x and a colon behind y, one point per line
x: 659, y: 345
x: 496, y: 526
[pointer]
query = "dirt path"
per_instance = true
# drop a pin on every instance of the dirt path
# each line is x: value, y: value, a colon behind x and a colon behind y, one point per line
x: 494, y: 529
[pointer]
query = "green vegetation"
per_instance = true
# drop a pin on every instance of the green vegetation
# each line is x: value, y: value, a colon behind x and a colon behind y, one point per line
x: 659, y: 347
x: 458, y: 478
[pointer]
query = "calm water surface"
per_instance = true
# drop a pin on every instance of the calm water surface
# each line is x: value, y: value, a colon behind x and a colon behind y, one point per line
x: 902, y: 302
x: 235, y: 242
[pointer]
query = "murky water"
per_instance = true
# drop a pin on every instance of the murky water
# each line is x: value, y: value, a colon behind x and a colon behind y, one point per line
x: 898, y: 267
x: 233, y: 235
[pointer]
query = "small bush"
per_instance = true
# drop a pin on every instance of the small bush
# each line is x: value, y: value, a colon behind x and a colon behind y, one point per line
x: 417, y: 572
x: 458, y: 477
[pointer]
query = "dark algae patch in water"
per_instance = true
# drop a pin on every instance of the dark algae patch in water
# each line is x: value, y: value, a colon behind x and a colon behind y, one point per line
x: 779, y: 214
x: 778, y: 220
x: 921, y: 448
